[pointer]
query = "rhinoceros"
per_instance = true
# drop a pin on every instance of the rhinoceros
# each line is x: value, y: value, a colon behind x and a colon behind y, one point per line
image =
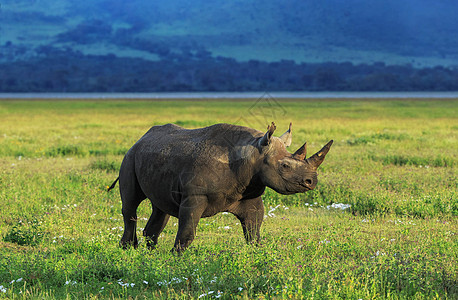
x: 197, y: 173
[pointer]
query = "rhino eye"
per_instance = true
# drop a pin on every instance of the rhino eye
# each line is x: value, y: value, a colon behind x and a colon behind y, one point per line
x: 285, y: 166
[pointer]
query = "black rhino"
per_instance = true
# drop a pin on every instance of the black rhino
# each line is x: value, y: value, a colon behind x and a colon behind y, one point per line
x: 197, y: 173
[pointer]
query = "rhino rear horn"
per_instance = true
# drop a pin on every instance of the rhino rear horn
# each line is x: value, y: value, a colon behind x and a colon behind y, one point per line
x: 265, y: 140
x: 301, y: 153
x: 287, y: 137
x: 316, y: 159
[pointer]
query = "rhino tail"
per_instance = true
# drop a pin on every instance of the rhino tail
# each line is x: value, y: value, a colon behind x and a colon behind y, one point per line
x: 112, y: 185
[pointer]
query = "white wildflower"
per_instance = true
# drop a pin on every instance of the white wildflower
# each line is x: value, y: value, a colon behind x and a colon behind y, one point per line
x: 378, y: 253
x: 271, y: 210
x: 175, y: 280
x: 161, y: 283
x: 121, y: 283
x: 165, y: 282
x: 341, y: 206
x: 70, y: 282
x: 219, y: 294
x: 126, y: 284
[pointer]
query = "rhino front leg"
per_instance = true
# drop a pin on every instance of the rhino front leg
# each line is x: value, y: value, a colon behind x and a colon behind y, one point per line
x: 190, y: 213
x: 251, y: 214
x: 154, y: 227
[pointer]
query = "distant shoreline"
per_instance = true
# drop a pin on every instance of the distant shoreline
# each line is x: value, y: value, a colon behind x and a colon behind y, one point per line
x: 229, y: 95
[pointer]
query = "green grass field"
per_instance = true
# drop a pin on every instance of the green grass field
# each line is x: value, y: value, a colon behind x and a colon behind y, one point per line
x: 394, y: 161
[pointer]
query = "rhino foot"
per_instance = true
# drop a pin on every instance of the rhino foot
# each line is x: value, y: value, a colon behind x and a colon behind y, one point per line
x: 128, y: 244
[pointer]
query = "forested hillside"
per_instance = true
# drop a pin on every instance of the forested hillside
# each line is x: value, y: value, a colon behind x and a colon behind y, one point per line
x: 113, y: 45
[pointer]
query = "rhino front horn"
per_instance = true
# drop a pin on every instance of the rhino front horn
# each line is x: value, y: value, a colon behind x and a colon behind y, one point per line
x: 316, y: 159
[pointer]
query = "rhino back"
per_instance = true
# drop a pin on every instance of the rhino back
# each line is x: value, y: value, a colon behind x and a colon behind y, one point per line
x: 207, y: 143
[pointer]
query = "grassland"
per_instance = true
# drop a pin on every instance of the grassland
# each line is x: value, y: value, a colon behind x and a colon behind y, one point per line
x: 394, y: 161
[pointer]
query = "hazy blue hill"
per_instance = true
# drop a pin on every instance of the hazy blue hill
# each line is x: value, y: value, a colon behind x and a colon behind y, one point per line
x: 409, y: 31
x: 178, y: 45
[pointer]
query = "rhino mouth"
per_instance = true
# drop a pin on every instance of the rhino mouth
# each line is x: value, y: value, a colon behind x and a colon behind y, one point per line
x: 304, y: 187
x: 297, y: 188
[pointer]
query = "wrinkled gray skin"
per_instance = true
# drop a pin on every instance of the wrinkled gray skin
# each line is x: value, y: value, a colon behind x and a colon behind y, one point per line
x: 193, y: 174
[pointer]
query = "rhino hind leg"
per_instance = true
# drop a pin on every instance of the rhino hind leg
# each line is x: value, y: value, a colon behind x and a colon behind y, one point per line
x: 250, y: 212
x: 131, y: 196
x: 154, y: 227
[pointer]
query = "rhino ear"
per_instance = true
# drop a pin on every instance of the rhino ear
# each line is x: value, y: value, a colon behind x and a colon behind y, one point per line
x: 265, y: 140
x: 301, y: 153
x: 287, y: 137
